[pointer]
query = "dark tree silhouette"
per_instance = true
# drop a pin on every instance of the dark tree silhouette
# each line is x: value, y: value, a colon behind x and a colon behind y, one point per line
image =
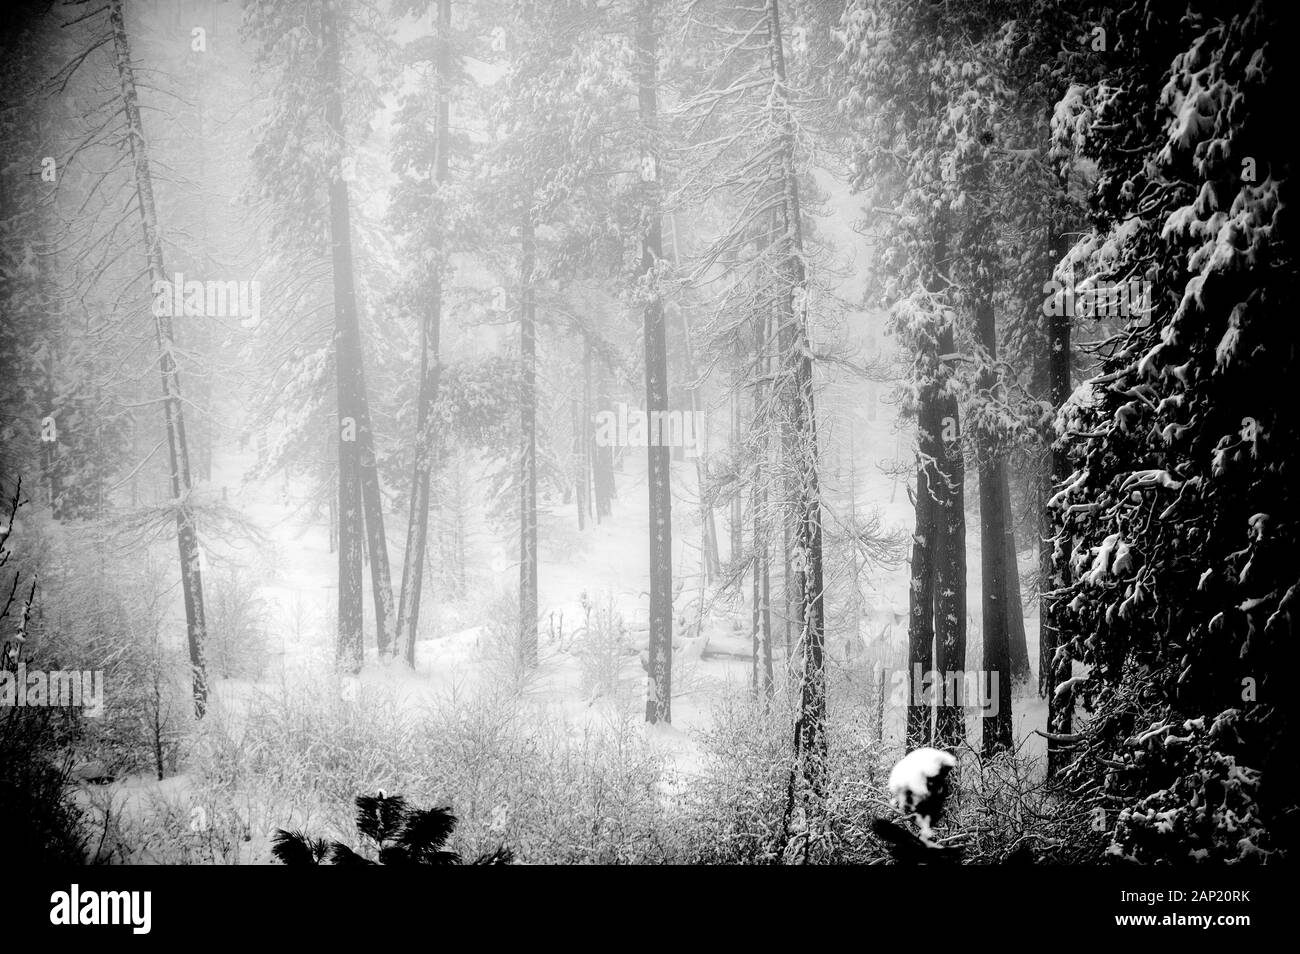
x: 398, y: 833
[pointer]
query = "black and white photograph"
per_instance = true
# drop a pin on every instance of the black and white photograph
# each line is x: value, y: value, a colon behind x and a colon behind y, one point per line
x: 649, y: 432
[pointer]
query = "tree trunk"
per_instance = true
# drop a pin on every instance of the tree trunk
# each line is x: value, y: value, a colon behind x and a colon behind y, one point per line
x: 658, y: 458
x: 997, y: 727
x: 50, y: 463
x: 588, y: 437
x: 788, y: 612
x: 710, y: 564
x: 928, y: 542
x: 347, y: 351
x: 920, y: 630
x: 527, y: 443
x: 1054, y: 660
x: 807, y: 562
x: 764, y: 663
x: 950, y: 567
x: 372, y: 505
x: 791, y: 595
x: 173, y: 415
x: 855, y: 591
x: 408, y: 610
x: 333, y: 509
x: 1020, y: 671
x: 578, y: 464
x: 736, y: 516
x: 762, y: 617
x: 603, y: 489
x: 201, y: 390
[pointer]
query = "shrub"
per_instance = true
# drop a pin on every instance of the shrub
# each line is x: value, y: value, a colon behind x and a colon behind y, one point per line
x: 34, y: 742
x: 238, y: 619
x: 738, y: 810
x: 517, y: 772
x: 1170, y: 788
x: 45, y: 825
x: 602, y: 649
x: 503, y: 661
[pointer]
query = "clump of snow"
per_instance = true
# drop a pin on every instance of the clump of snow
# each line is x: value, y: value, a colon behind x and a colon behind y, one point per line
x: 909, y: 781
x: 919, y: 784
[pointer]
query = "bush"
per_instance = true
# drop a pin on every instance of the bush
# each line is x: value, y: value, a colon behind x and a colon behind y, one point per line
x: 109, y: 617
x: 503, y: 661
x: 1171, y: 788
x: 35, y: 743
x: 738, y: 810
x: 517, y: 772
x: 1003, y: 811
x: 238, y: 619
x: 45, y: 825
x: 602, y: 649
x: 119, y: 627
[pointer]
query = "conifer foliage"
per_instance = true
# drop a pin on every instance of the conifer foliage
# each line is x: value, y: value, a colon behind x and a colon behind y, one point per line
x: 1176, y: 531
x: 394, y: 833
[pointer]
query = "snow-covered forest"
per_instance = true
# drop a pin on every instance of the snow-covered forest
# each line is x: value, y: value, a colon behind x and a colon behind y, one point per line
x: 633, y: 426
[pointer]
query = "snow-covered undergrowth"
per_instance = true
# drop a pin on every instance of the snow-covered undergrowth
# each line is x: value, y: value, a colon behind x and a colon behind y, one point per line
x: 515, y: 771
x: 737, y: 808
x: 520, y: 773
x: 513, y: 767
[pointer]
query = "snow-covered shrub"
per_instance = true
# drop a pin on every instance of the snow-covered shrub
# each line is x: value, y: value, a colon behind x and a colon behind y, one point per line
x: 736, y: 804
x: 518, y: 773
x: 602, y: 649
x: 133, y: 824
x: 36, y: 744
x: 737, y: 809
x: 151, y: 701
x: 238, y: 619
x: 34, y: 787
x: 1182, y: 789
x: 499, y: 648
x: 522, y: 774
x: 111, y: 618
x: 1211, y: 810
x: 1003, y: 811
